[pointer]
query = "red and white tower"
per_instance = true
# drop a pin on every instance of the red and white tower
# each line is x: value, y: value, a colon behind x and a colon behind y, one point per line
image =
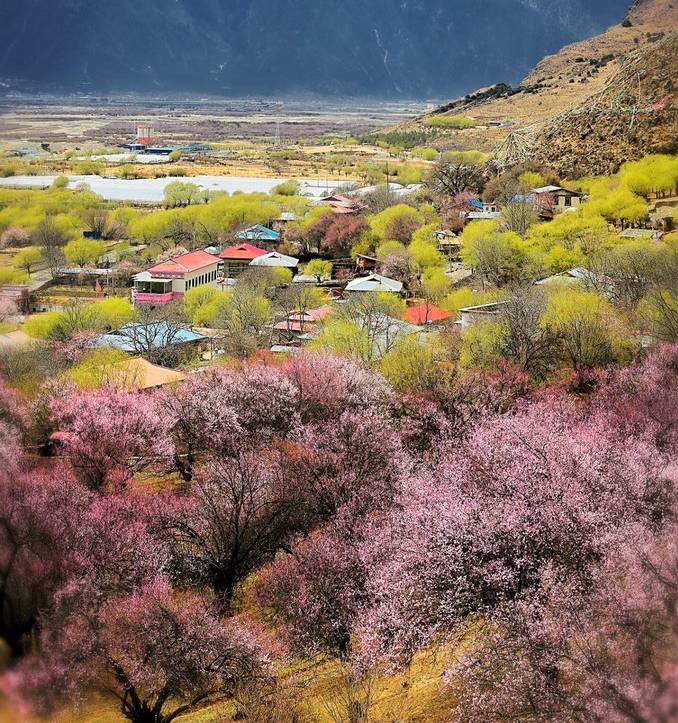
x: 144, y: 135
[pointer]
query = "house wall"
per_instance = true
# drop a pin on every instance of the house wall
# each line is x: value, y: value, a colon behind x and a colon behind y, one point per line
x: 235, y: 267
x: 562, y: 202
x: 205, y: 276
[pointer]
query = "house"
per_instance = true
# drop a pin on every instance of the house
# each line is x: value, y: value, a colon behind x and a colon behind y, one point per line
x: 283, y: 220
x: 448, y: 242
x: 483, y: 312
x: 139, y: 374
x: 275, y: 259
x: 465, y: 203
x: 384, y: 331
x: 304, y: 321
x: 237, y: 258
x: 555, y: 199
x: 259, y: 233
x: 366, y: 263
x: 576, y: 275
x: 142, y: 338
x: 171, y: 279
x: 483, y: 215
x: 341, y: 204
x: 374, y: 282
x: 662, y: 217
x: 661, y: 208
x: 425, y: 314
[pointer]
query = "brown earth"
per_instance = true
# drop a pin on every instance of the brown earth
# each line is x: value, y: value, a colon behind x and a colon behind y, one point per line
x: 633, y: 115
x: 564, y: 82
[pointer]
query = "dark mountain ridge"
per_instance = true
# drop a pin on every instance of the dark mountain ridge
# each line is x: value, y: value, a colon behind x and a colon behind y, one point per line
x: 389, y: 48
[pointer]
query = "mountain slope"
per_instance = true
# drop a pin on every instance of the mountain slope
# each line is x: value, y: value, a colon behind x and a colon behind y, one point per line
x: 565, y: 79
x: 587, y: 108
x: 416, y: 48
x: 633, y: 115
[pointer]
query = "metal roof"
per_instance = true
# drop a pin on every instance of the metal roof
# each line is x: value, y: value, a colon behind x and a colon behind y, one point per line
x: 242, y: 252
x: 156, y: 334
x: 375, y: 282
x: 258, y: 233
x: 275, y: 259
x: 193, y: 261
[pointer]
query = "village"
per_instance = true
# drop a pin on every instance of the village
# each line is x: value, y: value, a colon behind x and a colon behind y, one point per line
x: 315, y: 273
x: 338, y: 362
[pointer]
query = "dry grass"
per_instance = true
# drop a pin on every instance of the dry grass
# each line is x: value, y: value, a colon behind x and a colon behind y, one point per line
x: 315, y: 694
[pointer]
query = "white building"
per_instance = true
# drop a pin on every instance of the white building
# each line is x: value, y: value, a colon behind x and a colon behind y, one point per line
x: 171, y: 279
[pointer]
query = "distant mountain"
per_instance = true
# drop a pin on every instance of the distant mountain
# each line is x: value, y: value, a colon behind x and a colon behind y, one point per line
x: 410, y: 48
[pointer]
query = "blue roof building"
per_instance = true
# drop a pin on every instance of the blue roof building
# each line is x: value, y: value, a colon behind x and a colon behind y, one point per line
x: 258, y: 233
x: 135, y: 338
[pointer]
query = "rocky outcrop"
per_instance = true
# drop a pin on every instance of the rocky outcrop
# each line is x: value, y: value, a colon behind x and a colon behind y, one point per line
x: 635, y: 114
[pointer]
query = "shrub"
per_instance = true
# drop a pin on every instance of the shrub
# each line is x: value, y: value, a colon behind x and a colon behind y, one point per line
x: 450, y: 121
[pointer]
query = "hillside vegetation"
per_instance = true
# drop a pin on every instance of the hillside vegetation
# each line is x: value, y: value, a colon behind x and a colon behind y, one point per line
x: 572, y: 95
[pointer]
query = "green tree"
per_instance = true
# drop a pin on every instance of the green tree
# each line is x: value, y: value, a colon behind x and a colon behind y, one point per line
x: 181, y: 193
x: 27, y: 258
x: 590, y: 333
x: 111, y: 313
x: 499, y: 257
x: 320, y: 269
x: 287, y: 188
x: 84, y: 251
x: 412, y: 364
x: 435, y: 286
x: 344, y: 338
x: 481, y: 345
x: 397, y: 222
x: 195, y: 300
x: 423, y: 250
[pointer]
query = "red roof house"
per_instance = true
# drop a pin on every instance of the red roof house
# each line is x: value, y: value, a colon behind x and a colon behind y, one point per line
x: 184, y: 264
x: 170, y: 279
x: 237, y: 258
x: 425, y: 314
x: 242, y: 252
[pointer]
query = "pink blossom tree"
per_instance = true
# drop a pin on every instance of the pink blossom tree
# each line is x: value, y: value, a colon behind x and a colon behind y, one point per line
x: 228, y: 410
x: 599, y: 651
x: 639, y: 399
x: 328, y: 385
x: 317, y: 592
x: 38, y: 518
x: 541, y: 488
x: 14, y: 236
x: 201, y: 420
x: 356, y: 461
x: 13, y: 423
x: 239, y: 513
x: 110, y: 434
x: 159, y: 655
x: 8, y: 309
x: 342, y: 233
x: 264, y: 400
